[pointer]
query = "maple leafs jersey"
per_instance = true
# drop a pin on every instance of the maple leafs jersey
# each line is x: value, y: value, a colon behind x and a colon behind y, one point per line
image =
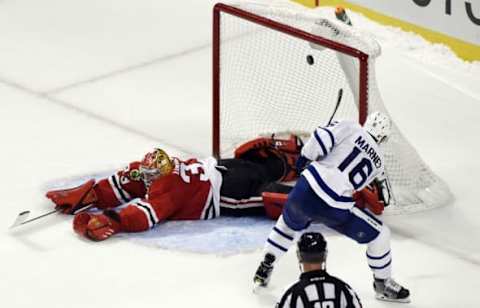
x: 345, y: 158
x: 190, y: 192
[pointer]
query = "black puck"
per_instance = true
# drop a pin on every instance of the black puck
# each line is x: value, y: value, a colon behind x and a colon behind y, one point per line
x: 310, y: 59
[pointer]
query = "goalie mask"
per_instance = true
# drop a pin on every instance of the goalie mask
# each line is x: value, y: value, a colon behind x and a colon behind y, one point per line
x: 154, y: 165
x: 379, y: 126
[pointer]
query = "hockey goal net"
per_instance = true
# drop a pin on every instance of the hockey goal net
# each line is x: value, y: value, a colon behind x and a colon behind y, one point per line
x: 279, y: 69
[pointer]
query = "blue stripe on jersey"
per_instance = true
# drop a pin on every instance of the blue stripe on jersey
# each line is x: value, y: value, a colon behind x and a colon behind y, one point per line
x: 277, y: 245
x: 381, y: 267
x: 378, y: 258
x: 327, y: 189
x: 320, y: 142
x: 288, y: 237
x: 331, y: 136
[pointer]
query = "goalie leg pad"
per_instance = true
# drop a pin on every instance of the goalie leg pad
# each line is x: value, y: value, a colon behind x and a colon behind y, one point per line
x: 273, y: 203
x: 287, y: 150
x: 292, y: 145
x: 255, y: 145
x: 291, y: 171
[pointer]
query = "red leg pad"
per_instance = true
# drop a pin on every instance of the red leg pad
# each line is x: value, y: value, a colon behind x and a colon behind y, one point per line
x: 258, y: 143
x: 273, y: 203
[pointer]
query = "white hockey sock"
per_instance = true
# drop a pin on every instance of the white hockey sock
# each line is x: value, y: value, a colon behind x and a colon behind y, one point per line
x: 280, y: 239
x: 379, y: 256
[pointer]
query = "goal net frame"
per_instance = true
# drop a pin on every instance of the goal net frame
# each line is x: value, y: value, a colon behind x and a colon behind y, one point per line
x: 415, y: 186
x: 220, y: 8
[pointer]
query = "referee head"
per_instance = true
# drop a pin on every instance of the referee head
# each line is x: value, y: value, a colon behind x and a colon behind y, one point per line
x: 316, y: 288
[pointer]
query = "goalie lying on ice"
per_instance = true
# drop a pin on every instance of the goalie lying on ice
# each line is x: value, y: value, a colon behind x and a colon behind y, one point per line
x: 161, y: 188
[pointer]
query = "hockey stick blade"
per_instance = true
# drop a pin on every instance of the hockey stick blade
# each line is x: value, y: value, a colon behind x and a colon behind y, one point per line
x: 23, y: 216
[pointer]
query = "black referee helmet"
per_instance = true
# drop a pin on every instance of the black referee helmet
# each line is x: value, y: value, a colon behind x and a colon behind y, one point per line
x: 312, y: 248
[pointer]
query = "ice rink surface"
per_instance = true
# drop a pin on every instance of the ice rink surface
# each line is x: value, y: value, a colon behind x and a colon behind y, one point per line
x: 87, y: 86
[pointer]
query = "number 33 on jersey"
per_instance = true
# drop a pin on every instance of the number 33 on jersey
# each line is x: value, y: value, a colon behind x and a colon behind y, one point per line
x: 345, y: 159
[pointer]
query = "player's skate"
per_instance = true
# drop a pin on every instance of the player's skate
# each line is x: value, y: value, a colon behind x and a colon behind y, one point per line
x: 264, y: 271
x: 389, y: 290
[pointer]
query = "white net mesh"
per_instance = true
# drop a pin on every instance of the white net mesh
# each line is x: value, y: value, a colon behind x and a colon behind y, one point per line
x: 267, y: 85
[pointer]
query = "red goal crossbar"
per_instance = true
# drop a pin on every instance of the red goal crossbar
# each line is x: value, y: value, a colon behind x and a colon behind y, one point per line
x: 220, y: 8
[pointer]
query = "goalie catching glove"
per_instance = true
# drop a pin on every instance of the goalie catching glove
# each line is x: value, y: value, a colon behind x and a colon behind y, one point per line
x: 97, y: 227
x: 74, y: 199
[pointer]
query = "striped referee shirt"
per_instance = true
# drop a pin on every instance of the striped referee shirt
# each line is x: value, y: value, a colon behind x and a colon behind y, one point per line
x: 317, y: 289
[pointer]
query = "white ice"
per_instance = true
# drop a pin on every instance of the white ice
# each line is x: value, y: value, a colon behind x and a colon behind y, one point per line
x: 86, y: 86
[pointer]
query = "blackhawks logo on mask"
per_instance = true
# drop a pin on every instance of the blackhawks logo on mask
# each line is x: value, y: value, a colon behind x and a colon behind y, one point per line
x: 135, y: 175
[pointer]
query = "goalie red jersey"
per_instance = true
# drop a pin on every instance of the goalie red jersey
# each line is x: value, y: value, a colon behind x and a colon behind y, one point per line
x: 154, y: 190
x: 190, y: 191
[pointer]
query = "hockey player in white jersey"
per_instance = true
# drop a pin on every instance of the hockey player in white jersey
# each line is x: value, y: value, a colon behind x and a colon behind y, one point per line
x: 340, y: 159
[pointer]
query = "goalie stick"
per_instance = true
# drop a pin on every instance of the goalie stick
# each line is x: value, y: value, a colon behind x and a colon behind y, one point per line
x: 22, y: 218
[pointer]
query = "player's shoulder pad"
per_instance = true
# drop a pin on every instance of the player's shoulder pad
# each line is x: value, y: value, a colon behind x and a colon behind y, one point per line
x: 343, y: 128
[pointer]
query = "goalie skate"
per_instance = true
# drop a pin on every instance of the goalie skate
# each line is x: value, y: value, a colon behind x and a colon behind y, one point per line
x: 390, y: 290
